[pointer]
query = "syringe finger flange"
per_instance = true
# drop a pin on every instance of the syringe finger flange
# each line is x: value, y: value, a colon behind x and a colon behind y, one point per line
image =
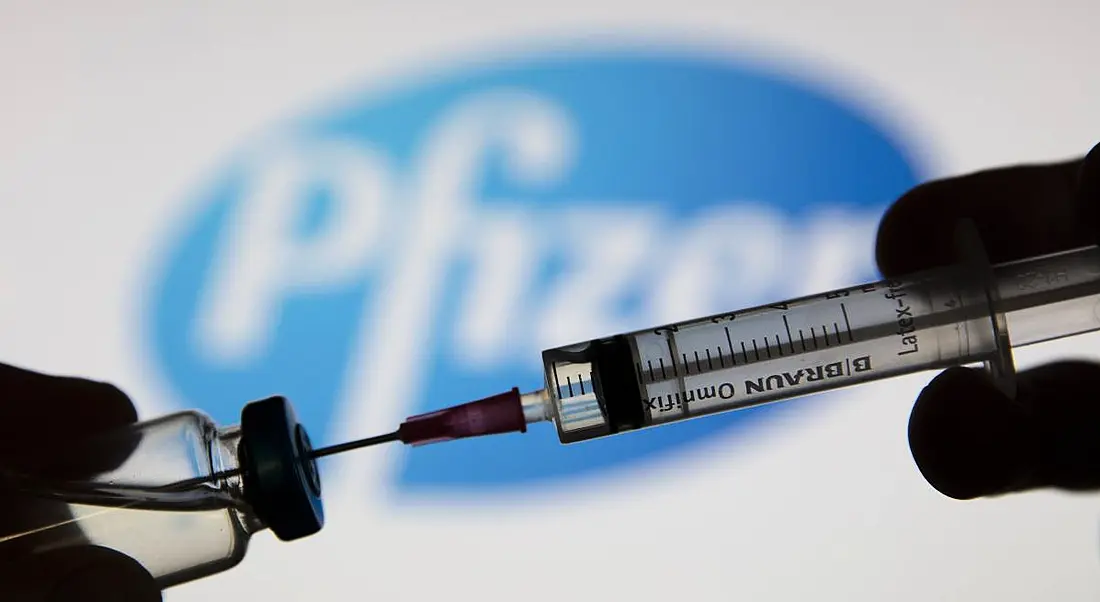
x: 972, y: 256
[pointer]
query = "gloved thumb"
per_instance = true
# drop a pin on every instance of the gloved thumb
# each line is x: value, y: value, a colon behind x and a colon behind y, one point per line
x: 84, y: 573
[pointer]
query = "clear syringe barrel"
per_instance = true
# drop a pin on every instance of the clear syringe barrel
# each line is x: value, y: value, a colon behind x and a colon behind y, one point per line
x: 930, y: 320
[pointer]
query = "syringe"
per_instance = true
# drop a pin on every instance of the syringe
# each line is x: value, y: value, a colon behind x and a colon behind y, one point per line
x: 965, y: 314
x: 233, y: 481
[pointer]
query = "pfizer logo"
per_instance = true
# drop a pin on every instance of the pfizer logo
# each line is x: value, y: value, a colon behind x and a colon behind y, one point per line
x: 400, y: 252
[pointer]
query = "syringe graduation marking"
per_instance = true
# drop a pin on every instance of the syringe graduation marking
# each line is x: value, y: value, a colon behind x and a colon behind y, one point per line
x: 829, y: 337
x: 787, y: 325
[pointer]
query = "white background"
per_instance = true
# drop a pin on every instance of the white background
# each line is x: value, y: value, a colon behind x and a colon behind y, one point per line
x: 110, y: 111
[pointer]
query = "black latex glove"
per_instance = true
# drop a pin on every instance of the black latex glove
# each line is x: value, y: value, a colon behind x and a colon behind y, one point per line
x: 967, y: 439
x: 41, y: 417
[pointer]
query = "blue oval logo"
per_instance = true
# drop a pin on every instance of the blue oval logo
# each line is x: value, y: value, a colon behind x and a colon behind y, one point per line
x: 402, y: 252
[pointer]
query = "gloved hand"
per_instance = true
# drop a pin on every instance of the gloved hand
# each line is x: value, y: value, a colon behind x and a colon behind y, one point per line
x: 40, y: 418
x: 968, y: 439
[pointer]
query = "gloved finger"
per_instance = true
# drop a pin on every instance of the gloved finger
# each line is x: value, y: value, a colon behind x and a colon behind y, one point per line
x: 43, y: 417
x: 61, y: 407
x: 1018, y: 211
x: 88, y: 574
x: 46, y: 423
x: 969, y: 440
x: 1088, y: 195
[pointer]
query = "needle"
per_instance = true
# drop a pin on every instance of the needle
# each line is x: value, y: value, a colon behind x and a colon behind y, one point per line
x: 317, y: 453
x: 350, y: 445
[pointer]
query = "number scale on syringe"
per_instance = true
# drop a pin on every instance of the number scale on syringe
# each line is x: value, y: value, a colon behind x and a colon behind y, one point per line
x: 791, y: 349
x: 784, y: 350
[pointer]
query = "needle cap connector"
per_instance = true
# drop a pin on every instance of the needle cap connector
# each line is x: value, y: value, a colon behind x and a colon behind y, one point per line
x: 501, y: 413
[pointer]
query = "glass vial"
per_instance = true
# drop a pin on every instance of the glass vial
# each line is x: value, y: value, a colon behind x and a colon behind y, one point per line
x: 178, y: 494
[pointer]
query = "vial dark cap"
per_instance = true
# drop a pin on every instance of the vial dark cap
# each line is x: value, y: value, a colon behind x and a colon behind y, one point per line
x: 281, y: 482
